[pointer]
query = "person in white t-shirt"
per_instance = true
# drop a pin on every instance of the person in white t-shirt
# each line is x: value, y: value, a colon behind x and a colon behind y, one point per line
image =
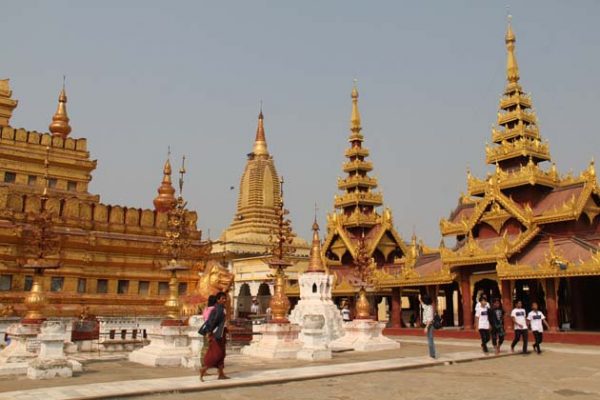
x: 537, y: 320
x: 519, y: 317
x: 482, y: 318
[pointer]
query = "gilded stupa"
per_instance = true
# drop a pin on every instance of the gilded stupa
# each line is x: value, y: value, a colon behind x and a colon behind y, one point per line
x: 259, y: 195
x: 246, y: 243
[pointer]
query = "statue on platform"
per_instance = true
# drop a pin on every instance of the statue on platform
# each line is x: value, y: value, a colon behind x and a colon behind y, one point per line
x: 215, y: 278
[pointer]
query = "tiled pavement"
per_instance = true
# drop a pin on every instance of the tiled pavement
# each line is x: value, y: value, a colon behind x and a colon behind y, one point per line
x: 120, y: 389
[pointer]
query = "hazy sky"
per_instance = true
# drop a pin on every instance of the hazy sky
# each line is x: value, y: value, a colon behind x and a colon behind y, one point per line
x: 142, y: 75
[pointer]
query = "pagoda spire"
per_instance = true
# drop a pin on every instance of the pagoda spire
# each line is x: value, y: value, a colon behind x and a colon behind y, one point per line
x: 165, y: 200
x: 315, y: 263
x: 358, y: 202
x: 260, y: 142
x: 512, y: 68
x: 60, y: 121
x: 355, y: 127
x: 516, y: 137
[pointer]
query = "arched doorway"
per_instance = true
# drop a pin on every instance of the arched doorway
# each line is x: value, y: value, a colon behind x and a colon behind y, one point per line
x: 244, y: 300
x: 264, y: 297
x: 487, y: 287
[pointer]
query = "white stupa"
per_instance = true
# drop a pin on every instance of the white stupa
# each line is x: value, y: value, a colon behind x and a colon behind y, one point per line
x: 315, y: 295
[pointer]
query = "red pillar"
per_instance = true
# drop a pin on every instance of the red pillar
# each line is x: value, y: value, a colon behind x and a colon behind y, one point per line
x: 467, y: 306
x: 396, y: 308
x: 551, y: 305
x: 507, y: 305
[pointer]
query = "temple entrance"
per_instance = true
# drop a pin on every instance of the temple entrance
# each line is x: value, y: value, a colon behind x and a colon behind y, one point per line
x: 243, y: 301
x: 264, y: 297
x: 488, y: 287
x: 583, y: 296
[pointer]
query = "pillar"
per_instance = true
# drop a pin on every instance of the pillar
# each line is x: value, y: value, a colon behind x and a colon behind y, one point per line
x: 467, y: 306
x: 396, y: 313
x: 433, y: 292
x: 507, y: 299
x: 449, y: 315
x: 551, y: 305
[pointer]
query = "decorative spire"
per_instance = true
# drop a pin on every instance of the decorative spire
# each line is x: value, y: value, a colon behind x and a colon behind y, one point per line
x: 358, y: 203
x: 260, y: 143
x: 512, y: 68
x: 355, y: 127
x: 315, y: 263
x: 165, y: 200
x: 60, y: 121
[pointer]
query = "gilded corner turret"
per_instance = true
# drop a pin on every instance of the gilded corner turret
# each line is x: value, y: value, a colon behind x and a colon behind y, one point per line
x: 7, y: 103
x: 165, y: 200
x: 60, y: 121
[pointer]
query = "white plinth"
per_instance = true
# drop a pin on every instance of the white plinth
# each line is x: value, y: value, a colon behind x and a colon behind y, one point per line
x: 278, y: 341
x: 364, y: 335
x: 20, y: 348
x: 315, y: 299
x: 314, y: 345
x: 51, y: 361
x: 196, y: 343
x: 168, y: 344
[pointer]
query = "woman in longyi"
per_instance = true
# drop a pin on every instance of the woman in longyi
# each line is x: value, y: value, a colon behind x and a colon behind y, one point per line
x: 216, y: 334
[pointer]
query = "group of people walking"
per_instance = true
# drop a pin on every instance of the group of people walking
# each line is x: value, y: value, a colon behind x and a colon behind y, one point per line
x: 490, y: 323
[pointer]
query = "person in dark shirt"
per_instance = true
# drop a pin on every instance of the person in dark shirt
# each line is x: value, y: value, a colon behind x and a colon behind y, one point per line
x: 497, y: 324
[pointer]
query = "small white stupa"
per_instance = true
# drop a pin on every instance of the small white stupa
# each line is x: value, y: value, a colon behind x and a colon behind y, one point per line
x: 315, y: 295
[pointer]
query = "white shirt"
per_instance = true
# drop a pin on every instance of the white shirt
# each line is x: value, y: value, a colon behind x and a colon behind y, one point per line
x: 254, y: 308
x: 520, y: 318
x: 482, y: 313
x: 345, y: 314
x: 427, y: 313
x: 536, y: 318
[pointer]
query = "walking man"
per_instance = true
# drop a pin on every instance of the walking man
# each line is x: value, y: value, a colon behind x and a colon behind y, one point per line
x: 483, y: 322
x: 497, y: 324
x: 537, y: 320
x: 519, y: 318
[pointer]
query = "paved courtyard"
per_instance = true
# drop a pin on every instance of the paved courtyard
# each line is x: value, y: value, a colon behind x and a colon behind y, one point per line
x: 562, y: 372
x: 552, y: 375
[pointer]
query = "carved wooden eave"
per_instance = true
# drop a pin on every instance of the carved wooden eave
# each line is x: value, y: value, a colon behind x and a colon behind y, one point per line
x: 409, y: 276
x: 471, y: 253
x: 384, y: 243
x: 553, y: 266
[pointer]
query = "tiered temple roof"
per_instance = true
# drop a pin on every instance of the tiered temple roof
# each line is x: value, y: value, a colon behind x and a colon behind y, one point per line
x: 512, y: 217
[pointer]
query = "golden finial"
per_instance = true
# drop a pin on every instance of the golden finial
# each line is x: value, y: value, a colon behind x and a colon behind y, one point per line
x: 315, y: 263
x: 60, y: 121
x: 512, y: 68
x: 355, y: 116
x: 260, y: 143
x: 165, y: 200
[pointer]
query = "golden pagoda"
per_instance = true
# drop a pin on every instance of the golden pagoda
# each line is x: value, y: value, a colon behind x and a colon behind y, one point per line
x: 165, y: 201
x: 109, y: 255
x: 356, y: 218
x: 246, y: 243
x: 526, y: 231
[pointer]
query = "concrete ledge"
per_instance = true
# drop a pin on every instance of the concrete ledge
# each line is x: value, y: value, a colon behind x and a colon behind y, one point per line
x: 123, y: 389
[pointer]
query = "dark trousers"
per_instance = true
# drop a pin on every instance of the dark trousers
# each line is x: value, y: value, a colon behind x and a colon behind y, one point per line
x: 485, y: 338
x: 518, y: 334
x: 497, y: 337
x: 539, y: 337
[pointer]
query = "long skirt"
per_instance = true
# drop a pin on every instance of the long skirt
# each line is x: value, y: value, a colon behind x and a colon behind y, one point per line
x: 215, y: 355
x: 204, y: 349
